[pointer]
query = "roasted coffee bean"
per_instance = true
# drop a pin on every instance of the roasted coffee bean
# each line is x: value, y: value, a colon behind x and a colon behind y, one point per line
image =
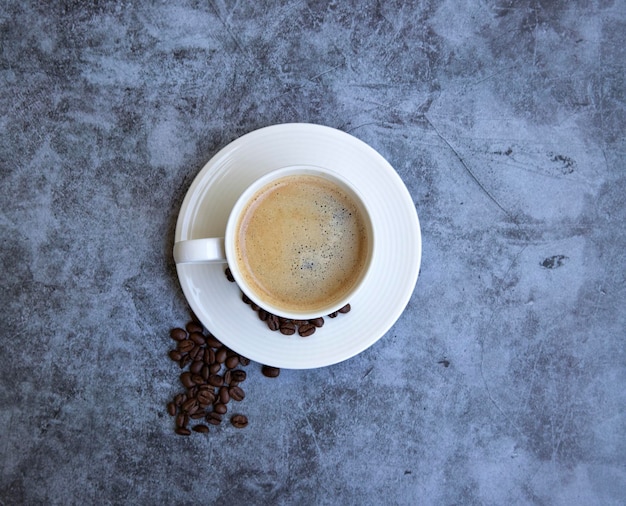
x: 318, y: 322
x: 196, y: 367
x: 178, y: 334
x: 182, y: 420
x: 198, y: 414
x: 190, y: 406
x: 229, y: 275
x: 236, y: 393
x: 215, y: 368
x: 232, y: 362
x: 333, y: 314
x: 238, y: 375
x: 205, y: 397
x: 179, y: 399
x: 194, y: 327
x: 224, y: 396
x: 185, y: 379
x: 345, y: 309
x: 184, y: 362
x: 213, y: 342
x: 300, y: 322
x: 215, y: 380
x: 171, y: 408
x: 244, y: 361
x: 228, y: 377
x: 185, y: 346
x: 202, y: 429
x: 254, y: 306
x: 221, y: 354
x: 270, y: 372
x: 193, y: 391
x: 181, y: 431
x: 220, y: 408
x: 197, y: 338
x: 197, y: 379
x: 245, y: 298
x: 306, y: 330
x: 213, y: 418
x: 175, y: 355
x: 263, y: 314
x: 197, y: 352
x: 272, y: 322
x: 239, y: 421
x: 205, y: 372
x: 209, y: 356
x: 288, y: 328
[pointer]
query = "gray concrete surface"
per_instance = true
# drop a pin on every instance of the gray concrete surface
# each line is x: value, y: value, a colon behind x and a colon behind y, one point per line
x: 504, y: 380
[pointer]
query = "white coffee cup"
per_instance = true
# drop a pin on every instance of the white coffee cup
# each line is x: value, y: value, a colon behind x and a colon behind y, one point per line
x: 299, y: 242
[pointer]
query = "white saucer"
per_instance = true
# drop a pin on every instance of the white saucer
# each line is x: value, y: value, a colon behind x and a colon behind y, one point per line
x: 217, y: 302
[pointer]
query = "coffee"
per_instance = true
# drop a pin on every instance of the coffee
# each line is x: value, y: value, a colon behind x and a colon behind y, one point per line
x: 302, y: 243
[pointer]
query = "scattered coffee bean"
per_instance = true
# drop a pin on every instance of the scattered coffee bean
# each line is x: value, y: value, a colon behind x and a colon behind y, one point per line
x: 345, y: 309
x: 182, y: 420
x: 270, y: 372
x: 232, y: 362
x: 198, y: 414
x: 203, y: 429
x: 244, y: 361
x: 236, y: 393
x: 245, y: 298
x: 185, y: 379
x: 333, y: 314
x: 238, y: 375
x: 213, y: 342
x: 239, y: 421
x: 185, y: 346
x: 213, y: 418
x: 273, y: 322
x: 318, y: 322
x: 306, y: 330
x: 178, y: 334
x: 196, y: 366
x: 220, y: 408
x: 215, y: 380
x: 194, y: 327
x: 221, y: 354
x: 171, y: 408
x: 288, y: 328
x: 215, y: 368
x: 224, y: 395
x: 181, y: 431
x: 229, y: 275
x: 175, y: 355
x: 197, y: 338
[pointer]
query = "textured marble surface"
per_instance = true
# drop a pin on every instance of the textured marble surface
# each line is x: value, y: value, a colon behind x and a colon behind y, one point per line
x: 503, y: 382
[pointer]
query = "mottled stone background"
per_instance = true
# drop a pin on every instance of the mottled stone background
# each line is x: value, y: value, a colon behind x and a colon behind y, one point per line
x: 504, y: 381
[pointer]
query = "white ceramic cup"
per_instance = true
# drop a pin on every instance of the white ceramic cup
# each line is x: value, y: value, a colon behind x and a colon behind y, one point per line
x: 223, y: 249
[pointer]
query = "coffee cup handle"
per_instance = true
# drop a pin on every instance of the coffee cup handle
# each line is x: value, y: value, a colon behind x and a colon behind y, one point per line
x: 195, y: 251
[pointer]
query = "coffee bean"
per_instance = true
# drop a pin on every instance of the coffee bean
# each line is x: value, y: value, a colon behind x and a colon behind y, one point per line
x: 190, y: 406
x: 175, y: 355
x: 209, y: 356
x: 206, y: 397
x: 245, y: 298
x: 179, y: 399
x: 213, y: 342
x: 184, y: 362
x: 213, y: 418
x: 203, y: 429
x: 244, y: 361
x: 196, y: 366
x: 185, y: 346
x: 178, y: 334
x: 197, y: 338
x: 201, y: 413
x: 306, y: 330
x: 196, y: 353
x: 254, y: 306
x: 185, y: 379
x: 345, y: 309
x: 318, y: 322
x: 181, y: 431
x: 220, y: 408
x: 232, y: 362
x: 197, y: 379
x: 224, y: 395
x: 288, y: 328
x: 215, y: 368
x: 300, y: 322
x: 205, y: 372
x: 171, y: 408
x: 182, y: 420
x: 215, y: 380
x: 194, y: 327
x: 221, y: 354
x: 229, y: 275
x: 333, y: 314
x: 272, y: 322
x: 270, y: 372
x: 263, y: 314
x: 238, y: 375
x: 239, y: 421
x: 236, y: 393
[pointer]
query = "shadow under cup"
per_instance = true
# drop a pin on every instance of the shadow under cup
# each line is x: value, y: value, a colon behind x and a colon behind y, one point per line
x: 300, y: 242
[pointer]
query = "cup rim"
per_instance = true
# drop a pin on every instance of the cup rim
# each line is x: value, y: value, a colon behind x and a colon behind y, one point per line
x: 233, y: 219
